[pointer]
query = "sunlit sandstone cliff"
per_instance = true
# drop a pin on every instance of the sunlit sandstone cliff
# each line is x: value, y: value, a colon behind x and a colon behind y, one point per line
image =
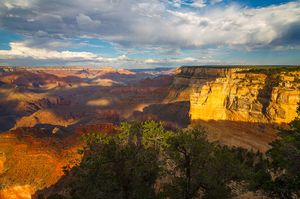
x: 264, y: 95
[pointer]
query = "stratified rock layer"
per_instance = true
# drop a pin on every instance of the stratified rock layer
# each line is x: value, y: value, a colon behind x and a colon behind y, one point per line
x: 264, y: 95
x: 32, y: 158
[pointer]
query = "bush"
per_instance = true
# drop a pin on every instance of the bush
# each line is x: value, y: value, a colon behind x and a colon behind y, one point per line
x: 143, y: 160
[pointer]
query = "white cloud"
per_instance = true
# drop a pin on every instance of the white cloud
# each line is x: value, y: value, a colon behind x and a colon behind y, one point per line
x: 10, y: 4
x: 195, y: 3
x: 180, y: 61
x: 21, y: 51
x: 215, y: 1
x: 85, y: 22
x: 176, y: 3
x: 199, y: 3
x: 230, y: 26
x: 152, y: 22
x: 235, y: 25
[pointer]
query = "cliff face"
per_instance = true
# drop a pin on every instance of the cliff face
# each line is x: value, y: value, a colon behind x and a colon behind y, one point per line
x: 32, y: 158
x: 264, y: 95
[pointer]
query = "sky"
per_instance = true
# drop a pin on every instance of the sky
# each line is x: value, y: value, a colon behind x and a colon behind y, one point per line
x: 149, y: 33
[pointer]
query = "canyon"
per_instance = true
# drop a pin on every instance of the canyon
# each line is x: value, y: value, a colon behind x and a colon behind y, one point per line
x: 45, y: 110
x: 236, y: 94
x: 240, y: 106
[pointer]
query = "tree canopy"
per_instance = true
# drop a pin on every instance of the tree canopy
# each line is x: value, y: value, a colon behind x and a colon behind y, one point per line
x: 144, y: 160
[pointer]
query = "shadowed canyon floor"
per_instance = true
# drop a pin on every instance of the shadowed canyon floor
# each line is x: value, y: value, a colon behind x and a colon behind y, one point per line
x: 44, y: 111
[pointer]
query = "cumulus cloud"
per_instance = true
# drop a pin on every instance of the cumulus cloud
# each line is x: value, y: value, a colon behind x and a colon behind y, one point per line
x: 173, y: 60
x: 19, y: 51
x: 152, y: 22
x: 199, y: 3
x: 215, y: 1
x: 18, y: 3
x: 164, y: 27
x: 85, y: 22
x: 237, y: 26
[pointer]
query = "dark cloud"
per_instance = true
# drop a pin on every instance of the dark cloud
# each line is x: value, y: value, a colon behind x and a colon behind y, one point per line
x: 290, y: 36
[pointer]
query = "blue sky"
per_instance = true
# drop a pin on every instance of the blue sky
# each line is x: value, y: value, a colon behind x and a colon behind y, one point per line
x: 149, y: 33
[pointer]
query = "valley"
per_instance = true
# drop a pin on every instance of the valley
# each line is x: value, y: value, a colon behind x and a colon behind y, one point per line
x: 44, y: 111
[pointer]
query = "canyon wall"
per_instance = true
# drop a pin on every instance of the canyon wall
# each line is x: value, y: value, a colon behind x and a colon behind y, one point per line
x: 260, y: 94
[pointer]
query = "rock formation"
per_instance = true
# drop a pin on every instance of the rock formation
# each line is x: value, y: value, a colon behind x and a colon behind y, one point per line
x: 47, y: 110
x: 32, y: 158
x: 265, y: 95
